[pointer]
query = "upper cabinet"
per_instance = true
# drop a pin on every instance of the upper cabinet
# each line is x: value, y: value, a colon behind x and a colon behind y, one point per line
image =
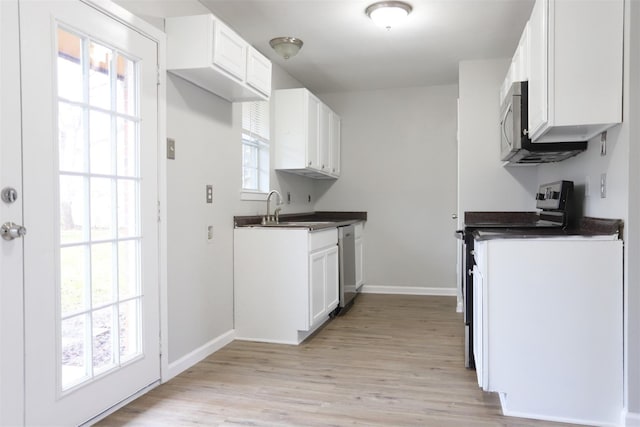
x: 307, y: 135
x: 519, y: 67
x: 575, y: 69
x: 203, y: 50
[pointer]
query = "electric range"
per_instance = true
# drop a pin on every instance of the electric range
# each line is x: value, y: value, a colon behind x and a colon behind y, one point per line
x: 554, y: 201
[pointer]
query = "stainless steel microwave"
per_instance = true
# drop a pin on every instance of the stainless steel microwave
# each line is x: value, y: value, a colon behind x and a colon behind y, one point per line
x: 515, y: 146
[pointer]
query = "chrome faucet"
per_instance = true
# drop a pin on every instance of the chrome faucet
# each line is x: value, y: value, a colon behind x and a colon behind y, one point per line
x: 272, y: 219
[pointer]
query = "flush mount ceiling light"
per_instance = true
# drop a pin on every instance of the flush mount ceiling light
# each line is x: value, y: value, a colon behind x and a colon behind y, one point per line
x: 388, y: 14
x: 286, y: 46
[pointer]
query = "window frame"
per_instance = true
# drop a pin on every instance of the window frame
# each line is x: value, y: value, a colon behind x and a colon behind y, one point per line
x: 258, y: 139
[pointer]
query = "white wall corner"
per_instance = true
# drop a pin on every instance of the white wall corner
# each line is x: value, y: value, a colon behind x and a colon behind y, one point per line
x: 188, y: 360
x: 409, y: 290
x: 630, y: 419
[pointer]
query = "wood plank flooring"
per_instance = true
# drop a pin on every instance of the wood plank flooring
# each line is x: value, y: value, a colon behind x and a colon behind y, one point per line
x: 390, y: 361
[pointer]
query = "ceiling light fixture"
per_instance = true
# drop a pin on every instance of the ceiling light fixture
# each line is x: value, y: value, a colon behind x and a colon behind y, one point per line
x: 286, y: 46
x: 388, y: 14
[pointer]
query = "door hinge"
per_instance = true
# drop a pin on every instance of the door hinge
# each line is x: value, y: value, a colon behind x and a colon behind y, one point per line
x: 159, y: 218
x: 158, y: 74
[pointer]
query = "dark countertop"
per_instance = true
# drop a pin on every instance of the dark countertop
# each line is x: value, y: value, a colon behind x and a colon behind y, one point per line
x: 313, y: 220
x: 521, y: 225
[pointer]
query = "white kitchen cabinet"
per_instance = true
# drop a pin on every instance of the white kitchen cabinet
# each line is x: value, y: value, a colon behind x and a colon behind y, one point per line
x: 305, y: 132
x: 258, y: 71
x: 519, y: 67
x: 575, y: 64
x: 206, y: 52
x: 359, y: 243
x: 323, y: 284
x: 548, y: 326
x: 285, y: 282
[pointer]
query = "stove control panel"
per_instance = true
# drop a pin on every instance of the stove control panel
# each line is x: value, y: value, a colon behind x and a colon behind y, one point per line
x: 554, y: 196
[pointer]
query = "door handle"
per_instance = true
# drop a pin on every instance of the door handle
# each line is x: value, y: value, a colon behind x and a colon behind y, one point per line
x: 10, y: 231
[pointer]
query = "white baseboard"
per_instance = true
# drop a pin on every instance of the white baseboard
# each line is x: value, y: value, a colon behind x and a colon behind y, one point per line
x: 631, y: 419
x: 408, y: 290
x: 188, y: 360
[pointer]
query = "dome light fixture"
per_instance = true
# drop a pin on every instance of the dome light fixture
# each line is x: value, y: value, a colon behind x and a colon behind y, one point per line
x: 286, y: 46
x: 388, y: 14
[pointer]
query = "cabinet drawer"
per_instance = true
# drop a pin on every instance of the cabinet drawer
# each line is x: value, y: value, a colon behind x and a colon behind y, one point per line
x: 323, y: 239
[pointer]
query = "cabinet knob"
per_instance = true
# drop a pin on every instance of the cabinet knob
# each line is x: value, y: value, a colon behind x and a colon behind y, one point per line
x: 310, y: 163
x: 322, y: 166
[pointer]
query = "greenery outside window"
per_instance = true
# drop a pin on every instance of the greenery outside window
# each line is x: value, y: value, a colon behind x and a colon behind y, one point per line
x: 255, y: 147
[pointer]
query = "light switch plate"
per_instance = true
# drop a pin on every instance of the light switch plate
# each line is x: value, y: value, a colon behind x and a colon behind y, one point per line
x: 171, y: 149
x: 603, y: 186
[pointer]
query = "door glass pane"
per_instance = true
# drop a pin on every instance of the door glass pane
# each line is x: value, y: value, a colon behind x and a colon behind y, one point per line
x: 128, y: 277
x: 99, y: 195
x: 102, y: 266
x: 73, y: 190
x: 74, y: 351
x: 100, y: 75
x: 71, y: 149
x: 126, y: 85
x: 70, y: 66
x: 102, y: 214
x: 127, y: 208
x: 100, y: 143
x: 129, y: 323
x: 103, y: 357
x: 127, y: 147
x: 74, y: 285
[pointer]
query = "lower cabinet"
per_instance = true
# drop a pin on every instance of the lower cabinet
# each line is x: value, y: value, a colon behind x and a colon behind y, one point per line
x: 285, y: 282
x: 323, y: 283
x: 548, y: 327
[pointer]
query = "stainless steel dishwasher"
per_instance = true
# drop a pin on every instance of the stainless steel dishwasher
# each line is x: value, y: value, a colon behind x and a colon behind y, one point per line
x: 347, y: 251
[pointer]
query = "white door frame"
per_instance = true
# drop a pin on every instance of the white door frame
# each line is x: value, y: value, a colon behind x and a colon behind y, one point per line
x: 11, y: 261
x: 12, y: 386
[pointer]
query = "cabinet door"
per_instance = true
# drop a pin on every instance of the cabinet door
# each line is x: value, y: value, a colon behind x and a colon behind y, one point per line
x: 324, y: 137
x: 538, y: 77
x: 359, y: 263
x: 229, y: 51
x: 258, y: 71
x: 317, y: 279
x: 334, y: 148
x: 313, y: 118
x: 332, y: 278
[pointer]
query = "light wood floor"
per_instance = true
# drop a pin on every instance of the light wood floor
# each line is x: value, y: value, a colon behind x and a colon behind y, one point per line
x: 390, y: 361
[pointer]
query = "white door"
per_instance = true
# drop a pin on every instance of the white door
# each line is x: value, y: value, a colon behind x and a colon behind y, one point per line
x: 90, y: 143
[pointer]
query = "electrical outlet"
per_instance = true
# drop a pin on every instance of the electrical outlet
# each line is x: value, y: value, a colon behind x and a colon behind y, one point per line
x: 288, y: 197
x: 209, y: 193
x: 603, y: 185
x: 210, y: 233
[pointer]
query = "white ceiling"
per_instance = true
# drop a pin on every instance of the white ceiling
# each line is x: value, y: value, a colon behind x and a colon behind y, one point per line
x: 344, y: 51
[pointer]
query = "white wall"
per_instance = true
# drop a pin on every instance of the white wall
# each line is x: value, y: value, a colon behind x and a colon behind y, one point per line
x: 208, y: 151
x: 483, y: 183
x: 399, y: 165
